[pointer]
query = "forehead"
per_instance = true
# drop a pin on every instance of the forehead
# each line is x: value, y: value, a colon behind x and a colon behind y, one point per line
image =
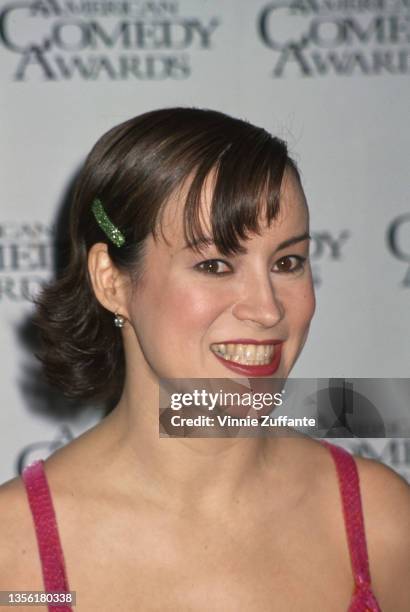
x: 293, y: 212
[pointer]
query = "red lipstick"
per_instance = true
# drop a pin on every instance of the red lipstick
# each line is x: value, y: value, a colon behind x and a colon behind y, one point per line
x: 256, y: 370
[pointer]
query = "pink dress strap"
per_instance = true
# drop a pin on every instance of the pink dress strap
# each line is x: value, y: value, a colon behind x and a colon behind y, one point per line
x: 349, y: 485
x: 48, y: 540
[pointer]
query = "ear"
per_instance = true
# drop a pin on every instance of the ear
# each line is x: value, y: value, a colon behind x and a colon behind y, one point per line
x: 109, y: 284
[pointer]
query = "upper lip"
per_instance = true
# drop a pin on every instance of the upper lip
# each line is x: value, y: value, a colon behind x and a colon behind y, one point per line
x: 249, y: 341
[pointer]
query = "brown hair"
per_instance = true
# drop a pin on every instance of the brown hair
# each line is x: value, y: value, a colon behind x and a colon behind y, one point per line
x: 134, y: 168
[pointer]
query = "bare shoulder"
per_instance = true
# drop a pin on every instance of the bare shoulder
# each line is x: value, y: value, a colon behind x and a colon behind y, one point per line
x: 386, y: 509
x: 381, y: 481
x: 13, y: 506
x: 19, y: 566
x: 386, y: 497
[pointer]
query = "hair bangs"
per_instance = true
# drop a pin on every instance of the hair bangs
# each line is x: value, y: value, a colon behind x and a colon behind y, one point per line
x: 247, y: 178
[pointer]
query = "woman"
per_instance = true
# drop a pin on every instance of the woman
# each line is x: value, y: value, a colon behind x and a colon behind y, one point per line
x: 190, y: 235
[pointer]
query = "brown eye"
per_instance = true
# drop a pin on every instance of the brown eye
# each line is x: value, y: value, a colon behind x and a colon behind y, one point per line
x: 290, y: 264
x: 212, y: 266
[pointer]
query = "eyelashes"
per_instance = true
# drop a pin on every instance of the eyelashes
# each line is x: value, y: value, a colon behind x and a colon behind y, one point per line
x: 289, y: 264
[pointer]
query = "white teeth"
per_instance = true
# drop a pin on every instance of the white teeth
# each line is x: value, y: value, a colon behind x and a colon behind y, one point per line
x: 260, y: 352
x: 249, y: 354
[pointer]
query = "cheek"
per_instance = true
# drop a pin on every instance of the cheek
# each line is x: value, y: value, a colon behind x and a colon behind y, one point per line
x: 300, y: 306
x: 181, y: 308
x: 307, y: 310
x: 191, y: 308
x: 309, y: 304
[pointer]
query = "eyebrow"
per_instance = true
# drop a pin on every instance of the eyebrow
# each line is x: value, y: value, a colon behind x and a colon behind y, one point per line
x: 207, y: 241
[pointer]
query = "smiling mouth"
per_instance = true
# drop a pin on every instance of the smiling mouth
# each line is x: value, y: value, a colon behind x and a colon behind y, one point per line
x: 245, y: 354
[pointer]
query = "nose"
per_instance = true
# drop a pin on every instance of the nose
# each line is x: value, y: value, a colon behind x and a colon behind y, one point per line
x: 260, y: 305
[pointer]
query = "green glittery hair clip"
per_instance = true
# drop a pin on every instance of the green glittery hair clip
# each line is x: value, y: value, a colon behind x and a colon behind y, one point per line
x: 107, y: 226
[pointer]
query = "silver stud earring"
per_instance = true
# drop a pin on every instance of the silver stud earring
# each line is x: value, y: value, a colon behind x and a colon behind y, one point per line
x: 119, y: 320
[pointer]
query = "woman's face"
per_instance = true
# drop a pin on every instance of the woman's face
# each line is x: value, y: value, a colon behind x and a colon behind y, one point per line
x: 203, y: 316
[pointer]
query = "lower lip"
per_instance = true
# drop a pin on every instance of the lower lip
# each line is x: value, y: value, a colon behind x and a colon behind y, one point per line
x: 257, y: 370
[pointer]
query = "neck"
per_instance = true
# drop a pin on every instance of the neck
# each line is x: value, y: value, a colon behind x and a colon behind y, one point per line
x: 201, y: 472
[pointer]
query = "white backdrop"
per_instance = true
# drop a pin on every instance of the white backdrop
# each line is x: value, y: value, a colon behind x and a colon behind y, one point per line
x: 331, y: 77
